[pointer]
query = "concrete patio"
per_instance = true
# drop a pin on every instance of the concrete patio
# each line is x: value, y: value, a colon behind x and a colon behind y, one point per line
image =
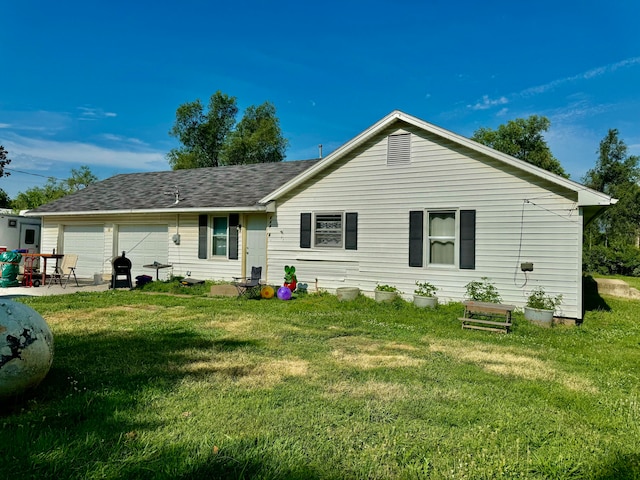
x: 85, y: 285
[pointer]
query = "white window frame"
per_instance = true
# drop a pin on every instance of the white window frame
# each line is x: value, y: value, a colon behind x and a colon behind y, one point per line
x: 455, y: 237
x: 314, y: 228
x: 213, y: 236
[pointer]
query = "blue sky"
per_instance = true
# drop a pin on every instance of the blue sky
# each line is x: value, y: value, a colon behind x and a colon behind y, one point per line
x: 97, y: 83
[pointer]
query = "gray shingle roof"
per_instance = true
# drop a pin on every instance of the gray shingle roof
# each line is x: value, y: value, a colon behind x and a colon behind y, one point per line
x: 234, y: 186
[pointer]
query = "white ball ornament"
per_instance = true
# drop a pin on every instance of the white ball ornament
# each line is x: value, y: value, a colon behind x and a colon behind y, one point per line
x: 26, y: 348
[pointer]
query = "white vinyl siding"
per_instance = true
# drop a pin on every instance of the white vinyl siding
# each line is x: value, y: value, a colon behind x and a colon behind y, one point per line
x: 519, y: 218
x: 101, y: 247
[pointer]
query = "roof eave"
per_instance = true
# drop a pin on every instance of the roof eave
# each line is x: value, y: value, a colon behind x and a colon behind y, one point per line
x: 254, y: 208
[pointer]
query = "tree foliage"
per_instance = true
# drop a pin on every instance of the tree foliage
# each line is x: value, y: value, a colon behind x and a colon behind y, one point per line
x: 54, y: 189
x: 611, y: 241
x: 522, y: 138
x: 212, y: 138
x: 4, y: 161
x: 202, y: 133
x: 5, y: 201
x: 257, y: 138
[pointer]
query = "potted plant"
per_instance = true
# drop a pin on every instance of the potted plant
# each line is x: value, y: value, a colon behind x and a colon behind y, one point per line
x: 424, y: 296
x: 541, y: 307
x: 385, y: 293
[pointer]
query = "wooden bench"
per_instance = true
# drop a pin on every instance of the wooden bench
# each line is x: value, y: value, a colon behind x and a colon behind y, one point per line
x: 493, y: 317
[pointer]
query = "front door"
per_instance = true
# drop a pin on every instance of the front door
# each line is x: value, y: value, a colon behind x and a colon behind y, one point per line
x: 256, y: 244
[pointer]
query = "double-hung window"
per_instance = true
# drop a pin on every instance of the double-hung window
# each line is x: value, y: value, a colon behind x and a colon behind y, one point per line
x: 328, y: 230
x: 442, y: 238
x: 219, y: 237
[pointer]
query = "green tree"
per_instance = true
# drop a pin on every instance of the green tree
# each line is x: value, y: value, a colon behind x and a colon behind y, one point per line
x: 257, y: 138
x: 54, y: 189
x: 522, y: 138
x: 5, y: 201
x: 202, y: 134
x: 616, y: 173
x: 211, y: 138
x: 4, y: 161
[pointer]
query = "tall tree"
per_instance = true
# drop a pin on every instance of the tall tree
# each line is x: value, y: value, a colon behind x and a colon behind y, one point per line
x: 202, y: 134
x: 5, y: 201
x: 523, y: 138
x: 257, y: 138
x: 616, y: 173
x: 4, y: 161
x: 211, y: 138
x: 54, y: 189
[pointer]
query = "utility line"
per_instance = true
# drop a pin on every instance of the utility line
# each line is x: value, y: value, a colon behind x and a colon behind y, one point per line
x: 32, y: 174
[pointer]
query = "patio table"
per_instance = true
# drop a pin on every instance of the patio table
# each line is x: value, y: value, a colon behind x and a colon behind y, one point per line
x: 44, y: 257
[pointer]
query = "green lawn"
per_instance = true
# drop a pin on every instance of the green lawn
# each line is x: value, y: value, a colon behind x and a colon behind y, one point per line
x: 165, y: 387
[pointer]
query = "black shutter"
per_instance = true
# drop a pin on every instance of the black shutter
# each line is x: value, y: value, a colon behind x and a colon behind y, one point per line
x: 416, y: 241
x: 202, y: 236
x: 468, y: 239
x: 351, y: 231
x: 305, y: 230
x: 234, y: 221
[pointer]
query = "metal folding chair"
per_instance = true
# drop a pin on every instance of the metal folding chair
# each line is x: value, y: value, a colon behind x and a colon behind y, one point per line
x: 65, y: 270
x: 249, y: 286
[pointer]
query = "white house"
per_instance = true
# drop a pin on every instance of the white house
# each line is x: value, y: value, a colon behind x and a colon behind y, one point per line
x: 404, y: 201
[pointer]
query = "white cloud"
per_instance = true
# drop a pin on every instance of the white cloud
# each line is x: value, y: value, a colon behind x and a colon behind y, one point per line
x: 588, y: 75
x: 91, y: 113
x: 81, y: 153
x: 487, y: 103
x: 5, y: 125
x: 121, y: 139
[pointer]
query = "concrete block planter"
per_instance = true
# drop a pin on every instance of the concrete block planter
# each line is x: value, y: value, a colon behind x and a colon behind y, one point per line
x: 425, y: 302
x: 539, y: 316
x: 346, y: 294
x: 381, y: 296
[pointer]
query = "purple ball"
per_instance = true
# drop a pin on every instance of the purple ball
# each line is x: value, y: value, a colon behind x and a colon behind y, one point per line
x: 284, y: 293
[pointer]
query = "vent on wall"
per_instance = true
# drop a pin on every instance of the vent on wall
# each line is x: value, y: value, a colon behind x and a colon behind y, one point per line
x: 399, y: 149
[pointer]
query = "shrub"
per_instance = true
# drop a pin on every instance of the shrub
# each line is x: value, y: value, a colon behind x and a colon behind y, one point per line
x: 540, y: 300
x: 425, y: 289
x: 482, y: 291
x: 386, y: 288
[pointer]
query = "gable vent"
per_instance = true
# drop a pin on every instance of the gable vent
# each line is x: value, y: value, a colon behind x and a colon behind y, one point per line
x: 399, y: 149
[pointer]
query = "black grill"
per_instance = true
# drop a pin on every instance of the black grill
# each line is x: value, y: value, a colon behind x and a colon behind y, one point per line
x: 121, y: 275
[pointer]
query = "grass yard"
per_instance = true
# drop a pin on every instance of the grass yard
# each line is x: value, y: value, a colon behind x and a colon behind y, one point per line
x: 165, y: 387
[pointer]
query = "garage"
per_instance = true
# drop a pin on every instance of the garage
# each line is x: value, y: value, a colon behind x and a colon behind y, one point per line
x: 145, y: 244
x: 86, y: 241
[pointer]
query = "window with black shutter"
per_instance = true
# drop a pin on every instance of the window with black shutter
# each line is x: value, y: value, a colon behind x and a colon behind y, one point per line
x: 468, y: 239
x: 416, y: 230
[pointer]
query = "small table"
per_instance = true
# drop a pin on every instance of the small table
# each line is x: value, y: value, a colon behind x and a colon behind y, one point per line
x: 45, y: 257
x: 157, y: 266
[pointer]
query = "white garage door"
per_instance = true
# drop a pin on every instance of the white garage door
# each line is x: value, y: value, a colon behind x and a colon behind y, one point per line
x: 87, y: 241
x: 143, y: 245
